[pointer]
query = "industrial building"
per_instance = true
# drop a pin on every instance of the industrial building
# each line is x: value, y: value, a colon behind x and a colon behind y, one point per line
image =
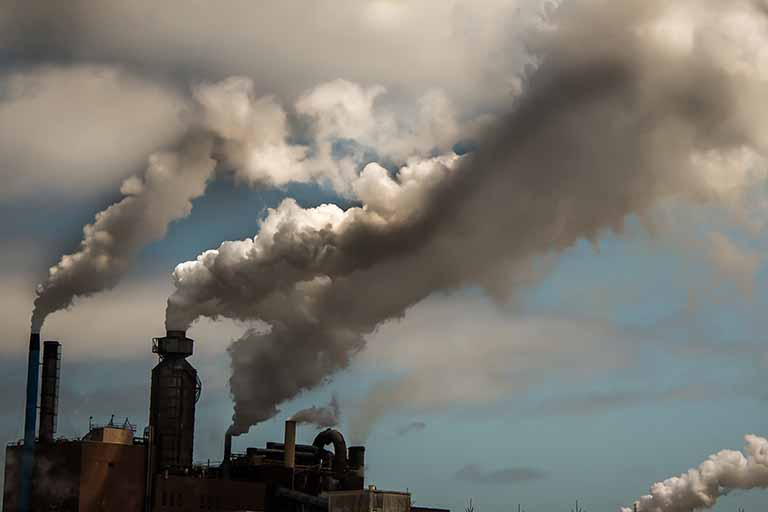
x: 111, y: 469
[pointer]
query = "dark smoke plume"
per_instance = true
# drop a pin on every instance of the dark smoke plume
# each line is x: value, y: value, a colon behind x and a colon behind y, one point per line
x: 111, y: 243
x: 252, y: 136
x: 322, y: 417
x: 618, y: 116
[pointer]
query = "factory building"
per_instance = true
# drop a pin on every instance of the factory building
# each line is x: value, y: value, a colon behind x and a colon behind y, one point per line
x: 111, y: 469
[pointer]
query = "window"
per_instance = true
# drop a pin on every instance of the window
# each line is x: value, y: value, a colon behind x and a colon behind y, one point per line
x: 164, y: 499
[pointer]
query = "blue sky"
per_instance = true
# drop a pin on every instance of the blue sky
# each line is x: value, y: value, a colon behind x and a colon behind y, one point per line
x: 599, y: 437
x: 628, y: 361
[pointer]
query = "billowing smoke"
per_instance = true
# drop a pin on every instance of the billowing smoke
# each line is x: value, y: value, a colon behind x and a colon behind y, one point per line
x: 700, y: 487
x: 112, y: 242
x: 628, y: 100
x: 322, y: 417
x: 252, y: 136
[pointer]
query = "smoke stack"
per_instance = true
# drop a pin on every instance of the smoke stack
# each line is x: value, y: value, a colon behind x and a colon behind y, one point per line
x: 356, y: 478
x: 174, y: 393
x: 290, y: 444
x: 49, y: 393
x: 30, y: 420
x: 356, y: 457
x: 227, y: 446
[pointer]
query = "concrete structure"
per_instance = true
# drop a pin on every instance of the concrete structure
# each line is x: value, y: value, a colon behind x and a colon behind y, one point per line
x: 369, y: 500
x: 79, y: 476
x: 112, y: 470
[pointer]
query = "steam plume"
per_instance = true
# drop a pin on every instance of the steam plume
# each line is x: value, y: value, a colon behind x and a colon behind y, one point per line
x: 322, y: 417
x: 112, y: 241
x: 700, y: 487
x: 252, y: 136
x: 618, y: 116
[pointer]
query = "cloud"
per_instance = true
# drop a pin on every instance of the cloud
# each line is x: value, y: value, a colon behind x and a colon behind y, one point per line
x: 491, y: 358
x: 601, y: 401
x: 414, y: 426
x: 475, y: 474
x: 117, y: 325
x: 411, y: 45
x: 538, y: 184
x: 734, y: 262
x: 77, y: 129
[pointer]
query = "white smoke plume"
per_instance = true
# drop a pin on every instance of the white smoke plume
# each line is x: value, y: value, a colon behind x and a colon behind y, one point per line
x: 700, y: 487
x: 322, y: 417
x: 251, y: 135
x: 626, y: 102
x: 112, y: 242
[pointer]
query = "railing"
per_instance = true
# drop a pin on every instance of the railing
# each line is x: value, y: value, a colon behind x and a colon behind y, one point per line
x: 126, y: 425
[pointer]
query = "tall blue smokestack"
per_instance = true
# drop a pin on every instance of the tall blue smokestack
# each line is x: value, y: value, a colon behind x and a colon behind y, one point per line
x: 30, y: 423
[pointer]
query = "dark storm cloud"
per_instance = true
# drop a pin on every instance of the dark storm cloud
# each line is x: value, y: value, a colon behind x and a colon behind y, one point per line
x: 608, y: 125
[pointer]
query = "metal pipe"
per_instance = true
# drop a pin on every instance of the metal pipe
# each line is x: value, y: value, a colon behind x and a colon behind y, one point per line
x: 290, y: 444
x: 49, y: 391
x: 331, y: 436
x: 300, y: 448
x: 356, y: 477
x: 227, y: 446
x: 149, y: 482
x: 357, y: 457
x: 319, y: 502
x: 30, y: 420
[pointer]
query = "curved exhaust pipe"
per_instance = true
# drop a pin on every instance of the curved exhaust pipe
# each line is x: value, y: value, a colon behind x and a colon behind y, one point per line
x: 331, y: 436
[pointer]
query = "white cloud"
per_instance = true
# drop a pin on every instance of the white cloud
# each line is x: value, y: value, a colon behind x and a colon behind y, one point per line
x: 75, y: 130
x: 288, y: 46
x: 463, y: 350
x: 118, y: 324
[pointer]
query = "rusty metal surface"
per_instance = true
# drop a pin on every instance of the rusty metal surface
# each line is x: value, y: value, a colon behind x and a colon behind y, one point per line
x: 112, y: 477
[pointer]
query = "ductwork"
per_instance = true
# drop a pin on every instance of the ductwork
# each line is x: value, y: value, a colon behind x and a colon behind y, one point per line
x: 331, y: 436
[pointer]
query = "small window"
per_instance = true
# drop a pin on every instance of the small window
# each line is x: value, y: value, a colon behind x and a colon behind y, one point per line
x: 164, y: 498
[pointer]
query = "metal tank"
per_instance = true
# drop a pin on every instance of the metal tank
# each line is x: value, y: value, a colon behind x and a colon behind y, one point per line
x: 175, y: 391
